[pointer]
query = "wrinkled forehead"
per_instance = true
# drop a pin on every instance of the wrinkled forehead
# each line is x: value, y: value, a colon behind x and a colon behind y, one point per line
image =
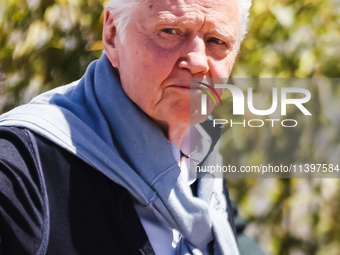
x: 223, y: 10
x: 213, y: 13
x: 199, y: 4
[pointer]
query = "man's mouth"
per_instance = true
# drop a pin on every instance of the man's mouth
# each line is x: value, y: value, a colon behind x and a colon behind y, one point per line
x: 182, y: 86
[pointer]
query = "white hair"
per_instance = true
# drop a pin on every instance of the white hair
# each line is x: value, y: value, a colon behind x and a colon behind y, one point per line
x: 243, y: 7
x: 123, y: 9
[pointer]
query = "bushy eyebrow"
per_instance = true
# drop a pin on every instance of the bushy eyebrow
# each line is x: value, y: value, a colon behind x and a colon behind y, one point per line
x: 226, y: 34
x: 166, y: 18
x: 172, y: 19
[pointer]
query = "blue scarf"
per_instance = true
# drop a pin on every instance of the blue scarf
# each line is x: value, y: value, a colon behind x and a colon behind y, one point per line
x: 95, y: 120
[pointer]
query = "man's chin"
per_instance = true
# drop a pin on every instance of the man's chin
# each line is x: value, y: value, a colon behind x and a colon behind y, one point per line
x: 189, y: 118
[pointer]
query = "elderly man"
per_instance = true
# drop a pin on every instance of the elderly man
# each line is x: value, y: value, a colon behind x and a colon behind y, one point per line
x: 100, y: 166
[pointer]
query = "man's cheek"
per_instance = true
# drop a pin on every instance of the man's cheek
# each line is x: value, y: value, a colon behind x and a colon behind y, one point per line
x: 222, y: 69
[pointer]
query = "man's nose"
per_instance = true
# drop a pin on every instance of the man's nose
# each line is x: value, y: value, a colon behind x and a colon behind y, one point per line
x: 194, y: 56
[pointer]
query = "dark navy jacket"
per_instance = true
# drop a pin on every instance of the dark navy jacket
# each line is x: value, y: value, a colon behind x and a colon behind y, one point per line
x: 51, y: 202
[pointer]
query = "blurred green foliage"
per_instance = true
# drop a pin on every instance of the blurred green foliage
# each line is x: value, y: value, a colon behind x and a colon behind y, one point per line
x: 46, y: 43
x: 291, y: 39
x: 296, y: 215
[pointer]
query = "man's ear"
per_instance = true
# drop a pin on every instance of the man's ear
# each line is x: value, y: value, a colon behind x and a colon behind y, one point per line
x: 110, y: 38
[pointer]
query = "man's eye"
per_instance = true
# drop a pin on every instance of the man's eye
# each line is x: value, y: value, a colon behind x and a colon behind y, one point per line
x: 169, y: 31
x: 216, y: 41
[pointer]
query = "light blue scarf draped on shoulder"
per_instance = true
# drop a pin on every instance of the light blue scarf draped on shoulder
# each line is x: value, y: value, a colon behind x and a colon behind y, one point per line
x: 95, y: 120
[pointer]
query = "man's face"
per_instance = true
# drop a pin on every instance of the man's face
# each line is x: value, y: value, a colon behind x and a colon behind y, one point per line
x: 169, y: 42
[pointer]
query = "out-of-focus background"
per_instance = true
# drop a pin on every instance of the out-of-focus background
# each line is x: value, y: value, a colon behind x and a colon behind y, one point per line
x: 46, y: 43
